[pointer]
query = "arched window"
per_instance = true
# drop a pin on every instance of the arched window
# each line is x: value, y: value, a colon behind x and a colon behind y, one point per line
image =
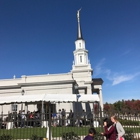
x: 80, y: 59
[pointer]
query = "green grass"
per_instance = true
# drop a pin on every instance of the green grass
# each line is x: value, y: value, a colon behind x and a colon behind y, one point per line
x: 26, y: 133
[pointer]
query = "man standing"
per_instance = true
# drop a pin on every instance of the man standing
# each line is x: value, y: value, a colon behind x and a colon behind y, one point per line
x: 23, y: 117
x: 63, y: 117
x: 19, y: 118
x: 59, y: 116
x: 71, y: 117
x: 83, y: 117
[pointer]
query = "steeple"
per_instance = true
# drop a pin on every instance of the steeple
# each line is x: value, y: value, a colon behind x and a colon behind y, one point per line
x: 79, y: 33
x: 81, y: 61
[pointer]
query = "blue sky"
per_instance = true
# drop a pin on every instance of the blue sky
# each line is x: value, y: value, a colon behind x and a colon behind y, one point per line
x: 37, y: 37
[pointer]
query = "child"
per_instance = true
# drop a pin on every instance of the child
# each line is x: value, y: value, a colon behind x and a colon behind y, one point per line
x: 91, y: 134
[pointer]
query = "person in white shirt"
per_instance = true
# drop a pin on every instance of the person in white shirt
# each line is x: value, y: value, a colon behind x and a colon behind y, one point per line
x: 23, y: 117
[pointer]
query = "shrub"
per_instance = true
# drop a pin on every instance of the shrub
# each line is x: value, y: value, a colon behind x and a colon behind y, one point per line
x: 98, y: 136
x: 70, y: 136
x: 129, y: 122
x: 6, y: 137
x: 35, y: 137
x: 129, y: 135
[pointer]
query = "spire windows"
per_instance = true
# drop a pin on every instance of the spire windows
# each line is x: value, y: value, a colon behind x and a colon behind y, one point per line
x: 80, y: 59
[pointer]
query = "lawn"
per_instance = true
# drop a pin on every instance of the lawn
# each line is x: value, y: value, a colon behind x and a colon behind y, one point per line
x: 26, y: 133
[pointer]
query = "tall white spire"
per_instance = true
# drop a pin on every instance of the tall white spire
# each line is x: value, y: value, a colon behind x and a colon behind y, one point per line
x: 79, y: 34
x: 80, y: 53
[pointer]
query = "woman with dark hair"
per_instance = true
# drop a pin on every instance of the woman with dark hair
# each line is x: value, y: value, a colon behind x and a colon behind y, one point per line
x: 119, y: 129
x: 109, y: 128
x: 91, y: 134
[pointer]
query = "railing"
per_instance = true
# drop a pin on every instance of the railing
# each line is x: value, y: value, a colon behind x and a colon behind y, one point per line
x: 54, y: 126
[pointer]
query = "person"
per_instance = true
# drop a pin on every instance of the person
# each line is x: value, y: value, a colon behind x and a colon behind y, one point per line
x: 110, y: 130
x: 71, y: 117
x: 119, y: 129
x: 54, y: 119
x: 63, y: 114
x: 31, y: 117
x: 15, y: 119
x: 83, y: 117
x: 23, y: 117
x: 19, y: 118
x: 59, y: 117
x: 91, y: 134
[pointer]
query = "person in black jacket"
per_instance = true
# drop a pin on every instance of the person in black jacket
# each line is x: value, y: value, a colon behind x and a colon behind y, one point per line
x: 63, y: 113
x: 71, y: 117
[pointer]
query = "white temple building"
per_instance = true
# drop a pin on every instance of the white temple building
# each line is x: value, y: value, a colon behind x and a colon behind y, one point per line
x: 60, y: 84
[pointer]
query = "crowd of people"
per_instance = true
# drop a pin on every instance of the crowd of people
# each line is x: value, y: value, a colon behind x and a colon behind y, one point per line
x: 21, y: 119
x: 61, y: 118
x: 113, y: 129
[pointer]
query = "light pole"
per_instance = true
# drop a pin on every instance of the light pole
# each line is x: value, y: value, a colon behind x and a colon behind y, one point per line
x: 22, y: 93
x: 76, y: 92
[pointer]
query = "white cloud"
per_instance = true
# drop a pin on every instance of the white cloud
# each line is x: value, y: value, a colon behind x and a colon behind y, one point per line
x: 98, y: 67
x: 126, y: 52
x: 123, y: 78
x: 108, y: 72
x: 115, y: 78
